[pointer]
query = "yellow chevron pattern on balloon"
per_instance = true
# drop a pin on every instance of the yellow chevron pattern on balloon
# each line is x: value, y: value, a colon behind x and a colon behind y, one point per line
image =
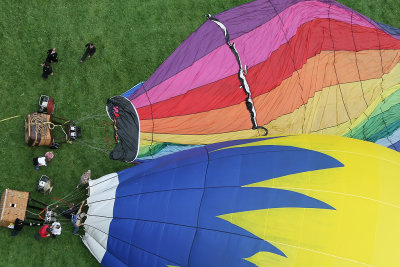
x: 363, y: 230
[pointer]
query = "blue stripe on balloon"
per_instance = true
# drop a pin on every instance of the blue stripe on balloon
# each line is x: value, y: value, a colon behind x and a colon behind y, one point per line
x: 246, y: 165
x: 168, y: 207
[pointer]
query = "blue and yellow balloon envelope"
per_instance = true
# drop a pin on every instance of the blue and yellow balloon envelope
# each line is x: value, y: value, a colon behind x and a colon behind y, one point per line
x: 307, y: 200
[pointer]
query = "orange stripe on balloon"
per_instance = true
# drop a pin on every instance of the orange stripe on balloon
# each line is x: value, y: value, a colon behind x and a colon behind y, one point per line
x: 323, y: 70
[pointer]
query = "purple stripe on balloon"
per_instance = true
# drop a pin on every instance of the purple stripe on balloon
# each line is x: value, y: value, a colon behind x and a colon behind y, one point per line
x: 391, y: 30
x: 239, y: 21
x: 265, y: 39
x: 208, y: 35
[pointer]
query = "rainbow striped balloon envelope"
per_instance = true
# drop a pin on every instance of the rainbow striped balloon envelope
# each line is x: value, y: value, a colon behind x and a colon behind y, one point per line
x: 305, y: 200
x: 292, y: 67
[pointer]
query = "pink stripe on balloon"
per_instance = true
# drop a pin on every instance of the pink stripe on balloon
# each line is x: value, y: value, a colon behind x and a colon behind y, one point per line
x: 253, y: 47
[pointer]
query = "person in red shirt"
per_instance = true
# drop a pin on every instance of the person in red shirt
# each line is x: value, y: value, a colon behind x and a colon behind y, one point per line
x: 47, y: 230
x: 44, y: 232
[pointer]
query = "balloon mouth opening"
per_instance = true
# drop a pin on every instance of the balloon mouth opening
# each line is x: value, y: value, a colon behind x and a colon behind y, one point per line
x: 126, y: 124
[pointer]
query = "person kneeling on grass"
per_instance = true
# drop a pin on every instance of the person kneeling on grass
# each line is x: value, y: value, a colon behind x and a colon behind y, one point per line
x: 76, y: 219
x: 42, y: 161
x: 47, y: 230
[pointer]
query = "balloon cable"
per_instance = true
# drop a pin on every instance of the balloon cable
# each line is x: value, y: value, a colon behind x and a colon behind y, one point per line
x: 11, y: 118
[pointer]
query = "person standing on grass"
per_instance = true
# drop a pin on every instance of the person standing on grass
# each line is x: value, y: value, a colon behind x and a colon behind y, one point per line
x: 77, y: 219
x: 47, y: 70
x: 51, y: 56
x: 84, y: 179
x: 90, y: 50
x: 18, y: 225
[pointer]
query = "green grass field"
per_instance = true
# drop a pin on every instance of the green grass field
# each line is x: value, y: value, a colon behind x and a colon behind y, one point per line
x: 133, y: 38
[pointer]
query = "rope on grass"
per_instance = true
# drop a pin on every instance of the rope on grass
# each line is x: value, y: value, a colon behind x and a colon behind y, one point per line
x: 11, y: 118
x: 107, y: 139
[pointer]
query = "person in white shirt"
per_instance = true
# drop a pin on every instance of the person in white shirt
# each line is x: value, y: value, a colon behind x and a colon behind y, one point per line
x: 42, y: 161
x: 56, y: 228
